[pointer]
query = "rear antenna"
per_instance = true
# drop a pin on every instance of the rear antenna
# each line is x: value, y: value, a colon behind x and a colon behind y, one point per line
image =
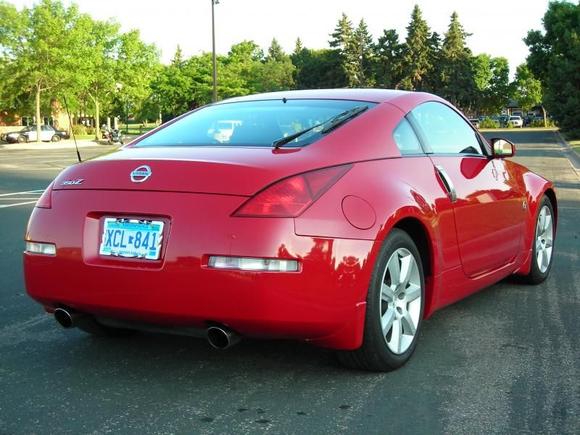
x: 72, y: 131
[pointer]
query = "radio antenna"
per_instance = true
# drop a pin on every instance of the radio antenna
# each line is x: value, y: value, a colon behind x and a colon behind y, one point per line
x: 71, y: 129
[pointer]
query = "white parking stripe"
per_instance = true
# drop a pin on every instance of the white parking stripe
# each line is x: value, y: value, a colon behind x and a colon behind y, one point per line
x: 22, y: 193
x: 17, y: 204
x: 12, y: 199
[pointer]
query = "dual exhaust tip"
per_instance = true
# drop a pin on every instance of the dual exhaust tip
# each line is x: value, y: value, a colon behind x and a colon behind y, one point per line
x: 219, y: 337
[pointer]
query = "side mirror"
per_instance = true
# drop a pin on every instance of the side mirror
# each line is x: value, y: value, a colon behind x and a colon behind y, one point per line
x: 502, y: 148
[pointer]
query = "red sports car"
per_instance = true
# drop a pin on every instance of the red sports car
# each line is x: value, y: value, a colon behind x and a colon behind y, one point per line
x: 338, y: 217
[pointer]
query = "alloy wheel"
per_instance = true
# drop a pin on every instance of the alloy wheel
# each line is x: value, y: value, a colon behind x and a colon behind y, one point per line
x: 400, y: 300
x: 544, y: 239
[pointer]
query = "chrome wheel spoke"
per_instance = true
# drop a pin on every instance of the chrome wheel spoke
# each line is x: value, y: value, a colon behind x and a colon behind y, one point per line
x: 396, y: 332
x: 387, y: 320
x: 394, y: 269
x: 408, y: 325
x: 406, y: 265
x: 547, y: 223
x: 387, y: 294
x: 412, y: 292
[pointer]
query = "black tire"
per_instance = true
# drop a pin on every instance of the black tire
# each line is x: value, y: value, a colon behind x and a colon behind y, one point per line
x: 55, y: 138
x: 21, y: 139
x: 536, y: 276
x: 375, y: 354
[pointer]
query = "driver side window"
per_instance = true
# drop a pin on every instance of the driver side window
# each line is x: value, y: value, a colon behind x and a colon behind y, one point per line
x: 445, y: 131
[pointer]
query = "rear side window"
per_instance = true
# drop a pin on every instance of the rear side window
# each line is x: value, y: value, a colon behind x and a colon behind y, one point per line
x: 445, y: 131
x: 406, y: 139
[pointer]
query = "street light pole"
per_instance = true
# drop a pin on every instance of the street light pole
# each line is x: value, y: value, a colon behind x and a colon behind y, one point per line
x: 213, y: 3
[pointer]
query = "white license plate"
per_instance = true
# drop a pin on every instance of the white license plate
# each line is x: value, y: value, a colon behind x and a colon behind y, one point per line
x: 131, y: 238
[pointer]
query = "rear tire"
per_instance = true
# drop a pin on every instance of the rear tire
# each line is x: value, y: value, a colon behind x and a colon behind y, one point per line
x: 542, y: 243
x: 55, y: 138
x: 395, y: 303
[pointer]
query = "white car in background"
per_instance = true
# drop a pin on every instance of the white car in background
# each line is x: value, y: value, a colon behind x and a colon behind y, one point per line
x: 515, y: 121
x: 28, y: 134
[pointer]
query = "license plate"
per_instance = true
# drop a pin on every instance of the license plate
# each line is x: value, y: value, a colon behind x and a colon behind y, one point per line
x: 132, y: 238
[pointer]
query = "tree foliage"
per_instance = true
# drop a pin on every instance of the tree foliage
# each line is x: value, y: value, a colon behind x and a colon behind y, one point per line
x: 554, y: 59
x: 50, y: 50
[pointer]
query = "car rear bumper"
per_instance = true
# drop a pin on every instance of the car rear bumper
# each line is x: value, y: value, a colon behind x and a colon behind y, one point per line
x: 323, y: 302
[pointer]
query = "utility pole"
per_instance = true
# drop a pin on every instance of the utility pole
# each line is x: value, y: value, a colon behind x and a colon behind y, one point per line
x: 213, y: 3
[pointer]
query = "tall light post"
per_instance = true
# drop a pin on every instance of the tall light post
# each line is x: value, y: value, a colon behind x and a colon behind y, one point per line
x: 213, y: 3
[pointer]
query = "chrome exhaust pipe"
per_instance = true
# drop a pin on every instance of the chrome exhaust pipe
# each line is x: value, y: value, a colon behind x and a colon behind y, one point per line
x: 221, y: 337
x: 65, y: 318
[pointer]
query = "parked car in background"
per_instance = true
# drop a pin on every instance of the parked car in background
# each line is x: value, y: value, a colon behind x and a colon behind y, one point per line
x: 515, y: 121
x: 503, y: 120
x: 28, y: 134
x: 474, y: 122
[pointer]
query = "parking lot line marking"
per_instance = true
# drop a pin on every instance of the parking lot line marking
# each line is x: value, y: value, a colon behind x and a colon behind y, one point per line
x: 22, y: 193
x: 29, y: 198
x: 17, y: 204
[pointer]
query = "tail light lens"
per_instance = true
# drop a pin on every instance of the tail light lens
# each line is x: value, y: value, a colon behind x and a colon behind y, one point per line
x: 45, y: 200
x: 291, y: 196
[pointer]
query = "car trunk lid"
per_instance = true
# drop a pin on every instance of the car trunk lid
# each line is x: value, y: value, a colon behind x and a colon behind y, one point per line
x: 241, y: 171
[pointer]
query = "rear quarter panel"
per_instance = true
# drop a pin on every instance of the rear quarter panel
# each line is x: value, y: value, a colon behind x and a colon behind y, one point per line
x: 397, y: 189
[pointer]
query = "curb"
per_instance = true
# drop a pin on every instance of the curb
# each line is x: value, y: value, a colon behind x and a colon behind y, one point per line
x: 568, y: 151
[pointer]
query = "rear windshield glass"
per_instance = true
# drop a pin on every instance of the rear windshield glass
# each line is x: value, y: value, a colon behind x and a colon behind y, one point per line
x: 251, y: 123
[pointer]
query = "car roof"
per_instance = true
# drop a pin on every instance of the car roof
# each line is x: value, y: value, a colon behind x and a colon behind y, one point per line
x: 370, y: 95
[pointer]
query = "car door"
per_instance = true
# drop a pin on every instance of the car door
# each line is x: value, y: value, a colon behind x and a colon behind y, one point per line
x: 46, y: 133
x: 488, y: 206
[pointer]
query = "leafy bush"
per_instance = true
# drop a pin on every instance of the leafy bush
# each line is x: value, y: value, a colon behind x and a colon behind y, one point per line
x: 489, y: 123
x: 79, y: 130
x: 540, y: 123
x: 90, y: 130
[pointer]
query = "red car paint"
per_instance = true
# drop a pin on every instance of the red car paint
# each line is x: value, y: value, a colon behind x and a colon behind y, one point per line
x: 483, y: 237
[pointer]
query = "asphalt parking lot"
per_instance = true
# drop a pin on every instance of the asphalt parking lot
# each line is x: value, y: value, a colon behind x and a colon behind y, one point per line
x: 506, y: 360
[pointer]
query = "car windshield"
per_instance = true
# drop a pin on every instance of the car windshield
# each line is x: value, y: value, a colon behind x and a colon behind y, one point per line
x: 251, y: 123
x: 514, y: 118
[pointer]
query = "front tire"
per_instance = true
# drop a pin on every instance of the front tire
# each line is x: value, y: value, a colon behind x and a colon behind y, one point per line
x: 395, y: 303
x: 55, y: 138
x: 542, y: 243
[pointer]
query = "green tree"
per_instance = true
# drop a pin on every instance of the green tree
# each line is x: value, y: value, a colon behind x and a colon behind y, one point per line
x: 275, y: 51
x: 456, y: 74
x: 99, y: 54
x: 136, y: 66
x: 40, y: 54
x: 317, y: 69
x: 360, y: 56
x: 348, y: 49
x: 527, y: 90
x: 417, y: 52
x: 387, y: 65
x: 276, y: 73
x: 491, y: 86
x: 555, y: 60
x: 171, y: 89
x: 433, y: 82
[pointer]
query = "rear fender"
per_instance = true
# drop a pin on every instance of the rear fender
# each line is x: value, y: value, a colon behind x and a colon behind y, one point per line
x: 389, y: 192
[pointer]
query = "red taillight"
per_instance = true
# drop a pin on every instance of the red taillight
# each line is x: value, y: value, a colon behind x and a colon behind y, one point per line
x: 290, y: 197
x: 45, y: 200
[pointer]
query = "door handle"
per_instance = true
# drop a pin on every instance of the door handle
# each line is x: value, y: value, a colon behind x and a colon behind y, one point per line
x: 447, y: 183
